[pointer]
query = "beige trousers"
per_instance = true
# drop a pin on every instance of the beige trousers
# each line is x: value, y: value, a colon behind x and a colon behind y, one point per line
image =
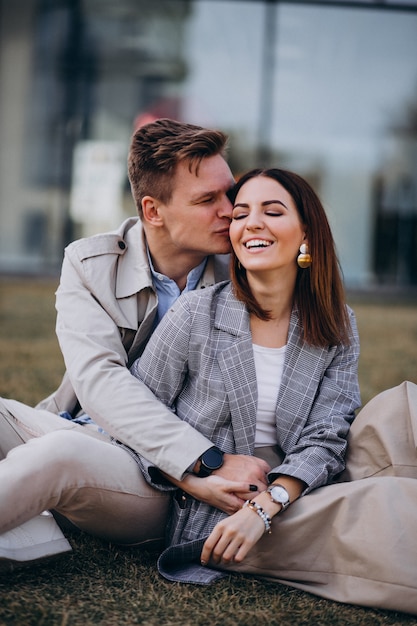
x: 353, y: 542
x: 356, y: 542
x: 77, y: 472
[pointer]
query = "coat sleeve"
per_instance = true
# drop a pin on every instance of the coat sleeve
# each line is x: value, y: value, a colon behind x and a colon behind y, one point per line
x: 96, y: 360
x: 317, y: 455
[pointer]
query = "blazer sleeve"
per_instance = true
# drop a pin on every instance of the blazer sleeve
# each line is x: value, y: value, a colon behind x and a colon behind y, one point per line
x: 317, y: 455
x: 96, y: 359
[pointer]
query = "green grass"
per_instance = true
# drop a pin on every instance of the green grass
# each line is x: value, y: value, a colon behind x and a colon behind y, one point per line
x: 103, y: 584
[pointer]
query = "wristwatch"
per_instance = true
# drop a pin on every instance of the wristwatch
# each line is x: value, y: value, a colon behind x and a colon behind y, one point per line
x: 210, y: 460
x: 279, y: 495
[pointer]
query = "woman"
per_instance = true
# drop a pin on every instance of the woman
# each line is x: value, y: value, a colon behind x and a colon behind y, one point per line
x: 267, y: 365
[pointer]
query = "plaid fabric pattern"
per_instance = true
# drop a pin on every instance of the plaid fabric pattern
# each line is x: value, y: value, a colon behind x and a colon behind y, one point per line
x: 200, y: 363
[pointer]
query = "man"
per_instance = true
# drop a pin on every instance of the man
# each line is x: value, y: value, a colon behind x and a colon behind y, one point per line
x: 114, y: 289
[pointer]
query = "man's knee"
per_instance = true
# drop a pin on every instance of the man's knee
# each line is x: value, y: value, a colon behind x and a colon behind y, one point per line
x: 64, y: 447
x: 55, y: 450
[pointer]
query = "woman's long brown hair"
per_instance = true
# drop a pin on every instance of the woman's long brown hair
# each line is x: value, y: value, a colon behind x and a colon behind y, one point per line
x: 319, y: 293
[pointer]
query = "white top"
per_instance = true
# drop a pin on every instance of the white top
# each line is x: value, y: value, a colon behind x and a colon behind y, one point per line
x: 269, y: 364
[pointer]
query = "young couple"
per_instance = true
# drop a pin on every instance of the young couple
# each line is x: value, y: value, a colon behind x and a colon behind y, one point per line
x: 234, y: 424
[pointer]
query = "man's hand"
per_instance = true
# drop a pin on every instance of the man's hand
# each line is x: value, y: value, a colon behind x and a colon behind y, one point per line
x: 226, y: 495
x: 243, y: 468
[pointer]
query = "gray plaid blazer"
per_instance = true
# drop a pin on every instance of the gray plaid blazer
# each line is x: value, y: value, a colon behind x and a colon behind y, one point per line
x: 200, y: 363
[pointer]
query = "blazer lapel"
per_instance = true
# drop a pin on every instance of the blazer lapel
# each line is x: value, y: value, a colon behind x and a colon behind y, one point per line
x: 300, y: 380
x: 238, y: 370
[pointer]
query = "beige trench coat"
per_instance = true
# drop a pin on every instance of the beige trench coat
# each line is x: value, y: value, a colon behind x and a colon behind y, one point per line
x: 106, y: 305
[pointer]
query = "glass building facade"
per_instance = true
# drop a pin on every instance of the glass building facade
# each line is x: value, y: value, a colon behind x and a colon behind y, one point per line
x: 327, y: 89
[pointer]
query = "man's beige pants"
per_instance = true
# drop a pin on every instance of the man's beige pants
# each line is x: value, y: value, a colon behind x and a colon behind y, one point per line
x: 77, y: 472
x: 354, y: 541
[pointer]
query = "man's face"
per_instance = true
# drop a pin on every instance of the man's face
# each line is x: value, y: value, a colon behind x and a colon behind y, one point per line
x: 197, y: 217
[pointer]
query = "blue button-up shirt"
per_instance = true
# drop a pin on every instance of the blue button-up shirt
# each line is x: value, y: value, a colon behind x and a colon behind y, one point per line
x: 167, y: 289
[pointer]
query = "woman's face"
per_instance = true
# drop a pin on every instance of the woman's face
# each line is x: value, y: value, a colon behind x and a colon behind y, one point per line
x: 266, y: 231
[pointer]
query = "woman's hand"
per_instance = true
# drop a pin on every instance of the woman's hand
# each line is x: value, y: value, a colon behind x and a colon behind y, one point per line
x: 226, y: 495
x: 232, y: 538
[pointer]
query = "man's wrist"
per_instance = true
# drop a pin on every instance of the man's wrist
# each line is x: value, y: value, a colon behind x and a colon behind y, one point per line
x: 208, y: 462
x: 196, y: 467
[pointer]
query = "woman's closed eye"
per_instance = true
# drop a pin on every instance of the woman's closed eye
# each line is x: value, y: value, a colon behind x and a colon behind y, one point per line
x: 239, y: 216
x: 269, y: 212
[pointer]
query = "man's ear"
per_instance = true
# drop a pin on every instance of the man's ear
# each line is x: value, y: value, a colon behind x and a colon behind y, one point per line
x: 150, y: 211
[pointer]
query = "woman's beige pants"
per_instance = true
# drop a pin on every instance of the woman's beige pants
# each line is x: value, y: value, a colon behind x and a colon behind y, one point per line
x: 356, y: 541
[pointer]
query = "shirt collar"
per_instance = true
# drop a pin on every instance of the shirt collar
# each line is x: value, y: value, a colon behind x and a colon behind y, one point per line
x: 159, y: 279
x: 167, y: 289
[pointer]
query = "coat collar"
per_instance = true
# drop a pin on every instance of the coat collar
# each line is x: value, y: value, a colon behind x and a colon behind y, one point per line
x: 231, y: 314
x: 133, y: 272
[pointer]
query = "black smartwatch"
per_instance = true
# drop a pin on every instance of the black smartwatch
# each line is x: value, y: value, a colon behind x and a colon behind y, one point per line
x: 210, y: 460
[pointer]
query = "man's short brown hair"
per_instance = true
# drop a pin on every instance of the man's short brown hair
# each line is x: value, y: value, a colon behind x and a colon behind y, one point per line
x: 157, y: 148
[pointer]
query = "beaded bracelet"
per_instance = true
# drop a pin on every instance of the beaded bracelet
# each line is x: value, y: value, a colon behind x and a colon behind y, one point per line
x: 254, y: 506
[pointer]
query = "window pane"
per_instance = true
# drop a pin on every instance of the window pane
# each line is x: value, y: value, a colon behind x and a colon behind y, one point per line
x: 327, y: 89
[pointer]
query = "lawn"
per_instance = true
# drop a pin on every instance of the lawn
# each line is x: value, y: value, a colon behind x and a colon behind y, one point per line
x: 102, y: 584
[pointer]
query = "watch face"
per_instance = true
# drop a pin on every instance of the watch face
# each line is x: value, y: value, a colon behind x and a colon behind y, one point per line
x: 212, y: 458
x: 279, y: 494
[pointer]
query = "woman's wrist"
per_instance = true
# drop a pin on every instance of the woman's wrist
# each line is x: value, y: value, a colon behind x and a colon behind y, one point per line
x: 290, y: 488
x: 270, y: 507
x: 260, y: 511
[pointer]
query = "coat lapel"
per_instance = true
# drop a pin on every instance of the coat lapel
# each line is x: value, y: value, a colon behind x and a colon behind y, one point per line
x: 301, y: 377
x: 133, y: 280
x: 238, y: 370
